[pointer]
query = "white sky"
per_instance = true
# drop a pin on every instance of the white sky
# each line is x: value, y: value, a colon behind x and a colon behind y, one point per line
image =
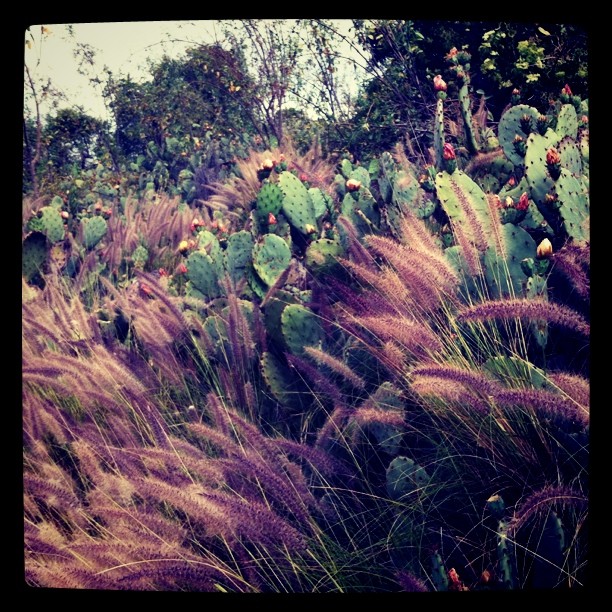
x: 124, y: 47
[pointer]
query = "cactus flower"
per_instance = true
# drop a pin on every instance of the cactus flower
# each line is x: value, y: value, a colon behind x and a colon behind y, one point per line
x: 448, y: 152
x: 310, y: 229
x: 272, y: 219
x: 65, y: 214
x: 523, y: 203
x: 181, y: 269
x: 163, y: 272
x: 267, y: 164
x: 353, y: 185
x: 566, y: 90
x: 183, y: 246
x: 303, y: 177
x: 553, y: 162
x: 452, y: 53
x: 439, y: 83
x: 545, y: 249
x: 552, y: 156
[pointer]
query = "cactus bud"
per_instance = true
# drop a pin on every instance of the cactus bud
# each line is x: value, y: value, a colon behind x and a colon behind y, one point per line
x: 515, y: 98
x: 181, y: 269
x: 303, y: 177
x: 542, y: 124
x: 526, y: 123
x: 353, y: 185
x: 545, y: 249
x: 272, y: 219
x: 519, y: 145
x: 163, y: 272
x: 65, y: 214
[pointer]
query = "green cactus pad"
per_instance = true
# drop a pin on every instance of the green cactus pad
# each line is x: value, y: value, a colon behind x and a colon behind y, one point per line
x: 462, y: 198
x: 297, y: 204
x: 404, y: 477
x: 202, y: 273
x: 300, y: 327
x: 49, y: 222
x: 208, y: 243
x: 321, y: 201
x: 571, y: 158
x: 322, y: 256
x: 282, y: 384
x: 388, y: 437
x: 346, y: 168
x: 35, y: 249
x: 271, y: 257
x: 269, y: 200
x: 567, y: 122
x: 238, y: 255
x: 503, y: 271
x: 94, y: 229
x: 510, y: 126
x: 362, y: 175
x: 57, y: 203
x: 536, y: 287
x: 272, y: 315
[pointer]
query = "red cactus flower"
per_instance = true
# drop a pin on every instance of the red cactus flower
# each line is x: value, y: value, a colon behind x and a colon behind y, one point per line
x: 566, y: 90
x: 523, y: 203
x: 303, y: 177
x: 448, y: 152
x: 439, y: 83
x: 552, y: 157
x: 163, y: 272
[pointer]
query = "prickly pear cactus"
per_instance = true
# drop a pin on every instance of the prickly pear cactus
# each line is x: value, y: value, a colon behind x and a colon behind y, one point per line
x: 301, y: 328
x: 322, y: 256
x: 405, y: 476
x: 504, y: 274
x: 297, y: 203
x: 321, y: 201
x: 35, y: 249
x: 238, y: 254
x: 269, y: 201
x: 465, y: 204
x: 284, y: 387
x: 567, y: 122
x: 271, y: 257
x: 94, y: 229
x: 202, y: 274
x: 511, y: 124
x: 48, y: 221
x: 386, y: 397
x: 563, y: 202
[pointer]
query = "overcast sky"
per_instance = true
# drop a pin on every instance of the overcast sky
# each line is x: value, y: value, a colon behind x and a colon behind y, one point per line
x: 124, y: 47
